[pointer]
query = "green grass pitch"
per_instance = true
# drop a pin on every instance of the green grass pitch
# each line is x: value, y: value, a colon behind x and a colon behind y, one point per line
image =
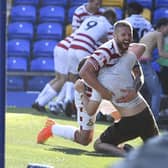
x: 22, y: 126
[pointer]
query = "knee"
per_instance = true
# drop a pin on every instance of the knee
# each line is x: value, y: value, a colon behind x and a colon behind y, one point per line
x: 86, y: 141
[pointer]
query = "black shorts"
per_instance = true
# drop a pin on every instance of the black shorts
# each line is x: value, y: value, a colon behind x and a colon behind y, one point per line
x: 141, y: 125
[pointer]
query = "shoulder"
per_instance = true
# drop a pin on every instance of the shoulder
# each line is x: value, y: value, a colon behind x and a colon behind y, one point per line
x: 80, y: 9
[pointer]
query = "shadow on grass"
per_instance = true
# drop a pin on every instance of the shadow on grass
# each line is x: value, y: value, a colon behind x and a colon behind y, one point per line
x: 74, y: 151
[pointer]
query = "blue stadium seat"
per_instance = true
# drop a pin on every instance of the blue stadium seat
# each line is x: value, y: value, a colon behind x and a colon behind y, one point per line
x: 52, y: 14
x: 70, y: 13
x: 23, y: 13
x: 15, y: 83
x: 53, y: 31
x: 40, y: 64
x: 158, y: 13
x: 17, y: 64
x: 161, y: 4
x: 77, y: 2
x: 119, y: 13
x: 37, y: 83
x: 54, y: 2
x: 145, y: 3
x: 44, y: 48
x: 26, y: 2
x: 22, y: 30
x: 18, y: 47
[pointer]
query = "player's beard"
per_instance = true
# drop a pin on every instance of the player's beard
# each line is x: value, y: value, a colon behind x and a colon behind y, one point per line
x: 122, y: 46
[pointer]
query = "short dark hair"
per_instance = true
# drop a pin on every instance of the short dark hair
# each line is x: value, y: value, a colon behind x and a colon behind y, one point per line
x: 122, y: 23
x: 162, y: 22
x: 110, y: 13
x: 134, y: 8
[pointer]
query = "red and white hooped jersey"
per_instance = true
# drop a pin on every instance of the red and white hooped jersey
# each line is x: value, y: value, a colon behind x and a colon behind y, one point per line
x: 80, y: 14
x: 92, y: 30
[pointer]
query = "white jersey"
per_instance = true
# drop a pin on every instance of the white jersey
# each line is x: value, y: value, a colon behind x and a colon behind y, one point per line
x: 116, y: 76
x: 65, y: 43
x: 91, y: 30
x: 80, y: 14
x: 140, y: 26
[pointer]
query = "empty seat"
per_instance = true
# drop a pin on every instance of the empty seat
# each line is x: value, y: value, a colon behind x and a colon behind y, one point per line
x: 17, y: 64
x: 50, y: 30
x: 113, y: 3
x: 23, y: 13
x: 70, y: 13
x: 158, y: 13
x: 161, y: 3
x: 54, y: 2
x: 145, y: 3
x: 18, y: 47
x: 44, y: 48
x: 119, y: 13
x: 68, y: 29
x: 15, y: 83
x: 146, y: 14
x: 42, y: 64
x: 37, y: 83
x: 22, y: 30
x: 77, y: 2
x: 26, y: 2
x: 52, y: 14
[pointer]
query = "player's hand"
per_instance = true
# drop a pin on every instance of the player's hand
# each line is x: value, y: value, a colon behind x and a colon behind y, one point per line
x: 79, y: 86
x: 130, y: 94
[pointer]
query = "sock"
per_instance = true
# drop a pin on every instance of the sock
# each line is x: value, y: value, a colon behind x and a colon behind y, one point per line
x: 69, y: 95
x: 47, y: 95
x: 42, y: 93
x: 67, y: 132
x: 61, y: 94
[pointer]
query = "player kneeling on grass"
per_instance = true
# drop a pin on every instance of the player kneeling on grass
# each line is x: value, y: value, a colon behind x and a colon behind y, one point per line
x: 82, y: 135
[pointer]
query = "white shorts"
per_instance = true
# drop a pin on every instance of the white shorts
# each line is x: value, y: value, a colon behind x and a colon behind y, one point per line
x: 85, y: 121
x: 75, y: 56
x: 61, y: 60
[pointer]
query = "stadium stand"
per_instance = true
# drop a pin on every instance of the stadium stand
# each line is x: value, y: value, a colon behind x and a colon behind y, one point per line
x: 119, y: 12
x: 17, y: 64
x: 113, y: 3
x: 70, y: 13
x: 49, y: 30
x: 68, y: 29
x: 77, y: 3
x: 26, y: 2
x: 37, y: 83
x: 161, y: 4
x: 52, y: 14
x: 23, y: 30
x: 157, y: 13
x: 18, y: 47
x: 145, y: 3
x: 43, y: 48
x: 26, y: 13
x: 147, y: 14
x: 42, y: 64
x: 15, y: 83
x: 54, y: 2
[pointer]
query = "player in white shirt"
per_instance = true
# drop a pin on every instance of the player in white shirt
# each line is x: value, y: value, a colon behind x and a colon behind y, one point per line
x: 140, y: 25
x: 92, y: 30
x: 53, y: 87
x: 108, y: 61
x: 84, y: 11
